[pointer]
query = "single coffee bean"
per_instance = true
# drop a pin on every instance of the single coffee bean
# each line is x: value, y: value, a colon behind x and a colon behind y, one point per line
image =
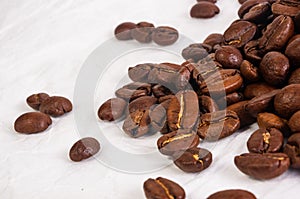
x: 204, y: 9
x: 229, y: 57
x: 232, y: 194
x: 143, y: 31
x: 262, y: 166
x: 56, y: 106
x: 207, y: 104
x: 181, y: 113
x: 214, y: 39
x: 230, y: 99
x: 292, y: 149
x: 196, y: 51
x: 123, y: 31
x: 141, y: 103
x: 295, y: 77
x: 270, y: 120
x: 165, y: 35
x: 32, y: 122
x: 112, y: 109
x: 239, y: 33
x: 134, y: 90
x: 249, y: 71
x: 193, y: 160
x: 274, y: 68
x: 84, y: 149
x: 287, y: 101
x: 286, y: 7
x: 35, y: 100
x: 294, y: 122
x: 213, y: 1
x: 158, y: 117
x: 258, y: 13
x: 161, y: 91
x: 140, y: 72
x: 218, y: 125
x: 257, y: 89
x: 247, y: 5
x: 252, y: 51
x: 242, y: 1
x: 162, y: 188
x: 244, y: 116
x: 292, y: 50
x: 179, y: 140
x: 265, y: 141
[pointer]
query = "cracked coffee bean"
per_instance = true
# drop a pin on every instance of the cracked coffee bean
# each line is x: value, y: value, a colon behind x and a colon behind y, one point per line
x: 56, y: 106
x: 35, y: 100
x: 84, y: 149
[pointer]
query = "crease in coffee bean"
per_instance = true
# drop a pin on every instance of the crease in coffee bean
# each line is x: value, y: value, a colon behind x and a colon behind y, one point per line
x: 177, y: 137
x: 165, y: 189
x: 180, y: 114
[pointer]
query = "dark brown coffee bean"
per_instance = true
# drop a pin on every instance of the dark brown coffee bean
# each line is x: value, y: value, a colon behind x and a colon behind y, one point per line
x: 213, y: 1
x: 181, y: 113
x: 165, y: 35
x: 56, y: 106
x: 214, y: 39
x: 196, y: 52
x: 207, y: 104
x: 179, y: 140
x: 297, y: 22
x: 134, y: 90
x: 230, y: 99
x: 262, y: 166
x: 141, y: 103
x: 229, y: 57
x: 84, y: 149
x: 258, y: 13
x: 244, y: 116
x: 286, y: 7
x: 123, y: 31
x: 35, y: 100
x: 292, y: 149
x: 274, y: 68
x: 247, y: 5
x: 295, y: 77
x: 239, y: 33
x: 242, y: 1
x: 204, y: 9
x: 143, y: 31
x: 162, y: 188
x: 287, y: 101
x: 218, y: 125
x: 257, y: 89
x: 112, y: 109
x: 277, y: 34
x: 265, y: 141
x: 161, y: 91
x: 294, y: 122
x: 270, y: 120
x: 158, y: 116
x: 249, y: 71
x: 292, y: 50
x: 232, y: 194
x: 32, y: 122
x: 252, y: 51
x: 140, y: 72
x: 193, y: 160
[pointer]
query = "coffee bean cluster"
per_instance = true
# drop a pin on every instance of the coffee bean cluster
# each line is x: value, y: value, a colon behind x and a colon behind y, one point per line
x: 204, y: 9
x: 145, y: 32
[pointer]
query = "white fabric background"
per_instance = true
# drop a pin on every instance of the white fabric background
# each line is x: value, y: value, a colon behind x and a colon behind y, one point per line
x: 43, y: 45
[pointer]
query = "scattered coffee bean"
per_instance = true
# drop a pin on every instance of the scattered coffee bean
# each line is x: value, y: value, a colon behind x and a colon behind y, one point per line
x: 56, y: 106
x: 165, y: 35
x: 214, y: 39
x: 204, y: 9
x: 292, y: 149
x: 259, y: 13
x: 270, y: 120
x: 286, y: 7
x: 249, y: 71
x: 244, y: 116
x: 143, y: 31
x: 232, y: 194
x: 35, y: 100
x: 84, y: 149
x: 112, y: 109
x: 123, y: 31
x: 134, y: 90
x: 196, y: 51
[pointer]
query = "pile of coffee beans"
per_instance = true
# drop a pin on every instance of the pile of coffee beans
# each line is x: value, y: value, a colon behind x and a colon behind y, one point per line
x: 204, y: 9
x: 145, y: 32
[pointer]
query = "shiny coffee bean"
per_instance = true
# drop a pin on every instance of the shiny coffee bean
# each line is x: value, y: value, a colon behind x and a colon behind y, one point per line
x: 32, y: 122
x: 141, y: 103
x: 244, y: 116
x: 247, y: 5
x: 292, y: 149
x: 214, y: 39
x: 162, y: 188
x: 165, y: 35
x: 270, y: 120
x: 218, y: 125
x: 286, y: 7
x: 229, y: 57
x: 257, y: 89
x: 249, y: 71
x: 287, y: 101
x: 232, y: 194
x: 193, y: 160
x: 207, y: 104
x: 123, y: 31
x: 230, y: 99
x: 294, y: 122
x: 265, y: 141
x: 161, y: 91
x: 258, y: 13
x: 204, y: 9
x: 292, y: 51
x: 158, y: 117
x: 143, y: 31
x: 56, y: 106
x: 295, y: 77
x: 35, y: 100
x: 196, y: 51
x: 84, y: 149
x: 262, y: 166
x: 112, y: 109
x: 133, y: 90
x: 179, y: 140
x: 252, y: 51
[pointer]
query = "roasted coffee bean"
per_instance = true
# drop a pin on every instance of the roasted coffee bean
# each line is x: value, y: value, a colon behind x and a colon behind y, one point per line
x: 270, y: 120
x: 35, y: 100
x: 142, y: 103
x: 242, y: 1
x: 204, y: 9
x: 292, y: 149
x: 232, y: 194
x: 143, y: 31
x: 244, y: 116
x: 112, y: 109
x: 179, y: 140
x: 294, y: 122
x: 229, y: 57
x: 56, y: 106
x: 249, y: 71
x: 213, y: 1
x: 277, y: 34
x: 247, y: 5
x: 158, y: 116
x: 274, y: 68
x: 162, y: 188
x: 84, y: 149
x: 239, y: 33
x: 292, y: 50
x: 165, y: 35
x: 297, y: 22
x: 207, y: 104
x: 258, y: 13
x: 221, y: 82
x: 261, y: 103
x: 32, y: 122
x: 287, y: 101
x: 203, y: 71
x: 140, y: 72
x: 252, y: 51
x: 265, y: 141
x: 262, y: 166
x: 230, y: 99
x: 196, y: 51
x: 161, y: 91
x: 218, y: 125
x: 295, y: 77
x: 134, y: 90
x: 193, y: 160
x: 257, y: 89
x: 286, y: 7
x: 123, y: 31
x: 181, y: 113
x: 214, y: 39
